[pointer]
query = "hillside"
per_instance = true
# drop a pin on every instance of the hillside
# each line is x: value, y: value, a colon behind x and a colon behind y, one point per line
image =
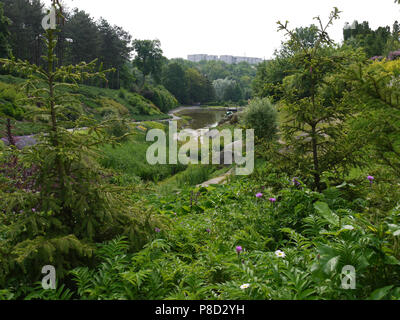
x: 97, y: 103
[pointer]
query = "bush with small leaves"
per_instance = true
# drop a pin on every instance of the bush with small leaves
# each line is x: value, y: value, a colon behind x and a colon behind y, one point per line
x: 261, y: 116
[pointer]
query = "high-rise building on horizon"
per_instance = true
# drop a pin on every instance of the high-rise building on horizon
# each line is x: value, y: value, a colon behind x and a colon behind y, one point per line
x: 225, y: 58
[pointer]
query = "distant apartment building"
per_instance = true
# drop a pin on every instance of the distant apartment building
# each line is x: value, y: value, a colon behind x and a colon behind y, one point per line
x: 241, y: 59
x: 197, y: 57
x: 211, y: 58
x: 254, y: 60
x: 224, y: 58
x: 228, y: 59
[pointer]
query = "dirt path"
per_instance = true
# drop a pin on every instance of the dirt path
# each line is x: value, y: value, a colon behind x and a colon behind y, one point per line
x: 217, y: 180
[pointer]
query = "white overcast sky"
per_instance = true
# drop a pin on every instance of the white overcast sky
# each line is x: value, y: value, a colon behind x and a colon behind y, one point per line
x: 232, y: 27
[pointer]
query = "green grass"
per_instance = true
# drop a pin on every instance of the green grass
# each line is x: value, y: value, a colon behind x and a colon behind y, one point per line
x: 129, y: 158
x: 21, y: 128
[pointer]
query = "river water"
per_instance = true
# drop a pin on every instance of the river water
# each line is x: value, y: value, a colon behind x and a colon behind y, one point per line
x: 202, y: 117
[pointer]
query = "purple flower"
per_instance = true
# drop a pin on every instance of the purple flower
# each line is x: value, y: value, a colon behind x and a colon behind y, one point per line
x: 371, y: 179
x: 208, y: 230
x: 259, y: 195
x: 295, y: 181
x: 273, y: 200
x: 377, y: 58
x: 157, y: 230
x: 33, y: 210
x: 393, y: 55
x: 239, y: 249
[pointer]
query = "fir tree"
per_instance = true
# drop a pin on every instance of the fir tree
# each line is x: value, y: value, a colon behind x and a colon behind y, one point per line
x: 64, y: 203
x: 315, y: 113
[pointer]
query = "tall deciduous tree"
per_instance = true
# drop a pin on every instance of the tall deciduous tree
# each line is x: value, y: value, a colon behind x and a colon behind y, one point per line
x: 148, y: 58
x: 174, y: 80
x: 233, y: 92
x: 221, y: 86
x: 200, y: 89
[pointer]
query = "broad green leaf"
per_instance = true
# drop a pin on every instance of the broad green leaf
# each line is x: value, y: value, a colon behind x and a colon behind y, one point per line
x: 379, y: 294
x: 323, y: 210
x: 389, y: 259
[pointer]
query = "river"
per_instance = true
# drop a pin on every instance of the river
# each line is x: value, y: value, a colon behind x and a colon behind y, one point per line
x: 201, y: 117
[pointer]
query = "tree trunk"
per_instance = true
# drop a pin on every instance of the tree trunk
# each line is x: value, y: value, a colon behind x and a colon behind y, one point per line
x: 143, y: 83
x: 317, y: 178
x: 55, y: 137
x: 10, y: 137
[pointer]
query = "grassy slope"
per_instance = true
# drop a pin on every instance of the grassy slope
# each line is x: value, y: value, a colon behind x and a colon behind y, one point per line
x: 129, y: 158
x: 95, y: 102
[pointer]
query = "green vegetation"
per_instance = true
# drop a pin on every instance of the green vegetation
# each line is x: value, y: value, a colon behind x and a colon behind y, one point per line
x: 96, y: 103
x: 323, y: 195
x: 379, y: 42
x: 129, y: 159
x: 63, y: 200
x: 242, y: 74
x: 261, y: 116
x: 5, y: 49
x: 209, y: 81
x: 196, y: 257
x: 148, y: 58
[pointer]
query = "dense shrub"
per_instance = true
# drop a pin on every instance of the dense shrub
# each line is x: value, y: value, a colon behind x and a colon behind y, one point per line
x: 109, y: 106
x: 11, y: 102
x: 161, y: 97
x: 261, y: 116
x: 141, y: 105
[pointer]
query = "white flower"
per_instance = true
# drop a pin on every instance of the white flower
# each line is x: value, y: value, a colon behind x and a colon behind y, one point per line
x: 244, y: 286
x: 280, y: 254
x: 348, y: 227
